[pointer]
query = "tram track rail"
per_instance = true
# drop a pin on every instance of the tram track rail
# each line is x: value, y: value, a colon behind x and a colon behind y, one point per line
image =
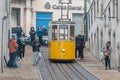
x: 62, y: 71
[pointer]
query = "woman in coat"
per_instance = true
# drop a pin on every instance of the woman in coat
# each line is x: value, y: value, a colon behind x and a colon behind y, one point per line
x: 107, y: 50
x: 36, y: 51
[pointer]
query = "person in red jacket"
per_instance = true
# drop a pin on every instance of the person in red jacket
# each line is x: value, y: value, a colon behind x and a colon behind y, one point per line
x: 12, y: 46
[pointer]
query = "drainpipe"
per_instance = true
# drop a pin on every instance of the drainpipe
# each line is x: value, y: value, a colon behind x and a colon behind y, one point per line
x: 85, y: 20
x: 119, y: 64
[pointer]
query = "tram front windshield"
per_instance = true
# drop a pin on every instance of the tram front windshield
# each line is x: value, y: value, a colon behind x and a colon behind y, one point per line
x: 63, y: 32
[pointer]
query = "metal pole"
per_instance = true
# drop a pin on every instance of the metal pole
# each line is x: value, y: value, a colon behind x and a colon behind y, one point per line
x: 68, y: 11
x: 85, y: 19
x: 61, y: 11
x: 62, y: 14
x: 2, y: 55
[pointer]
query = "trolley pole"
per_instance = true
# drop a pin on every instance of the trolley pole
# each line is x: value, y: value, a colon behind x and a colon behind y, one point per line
x: 65, y: 16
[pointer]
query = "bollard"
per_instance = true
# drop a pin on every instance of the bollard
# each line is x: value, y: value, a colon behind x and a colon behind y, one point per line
x: 118, y: 68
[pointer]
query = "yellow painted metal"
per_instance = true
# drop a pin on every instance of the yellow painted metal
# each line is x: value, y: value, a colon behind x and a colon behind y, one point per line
x: 62, y: 50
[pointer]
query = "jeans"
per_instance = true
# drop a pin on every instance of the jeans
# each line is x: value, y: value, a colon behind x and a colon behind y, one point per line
x: 36, y: 57
x: 13, y: 60
x: 80, y: 50
x: 107, y: 62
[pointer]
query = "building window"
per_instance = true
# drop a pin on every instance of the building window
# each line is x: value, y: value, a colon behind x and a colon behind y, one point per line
x: 97, y: 6
x: 105, y: 20
x: 115, y: 9
x: 92, y: 15
x: 54, y: 32
x: 101, y: 8
x: 94, y: 9
x: 88, y: 20
x: 109, y: 10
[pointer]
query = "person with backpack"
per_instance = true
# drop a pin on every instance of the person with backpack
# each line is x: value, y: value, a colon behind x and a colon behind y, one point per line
x: 21, y: 48
x: 107, y: 50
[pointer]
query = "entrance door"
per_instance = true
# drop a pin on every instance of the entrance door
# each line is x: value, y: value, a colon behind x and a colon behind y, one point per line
x: 42, y: 20
x: 15, y: 17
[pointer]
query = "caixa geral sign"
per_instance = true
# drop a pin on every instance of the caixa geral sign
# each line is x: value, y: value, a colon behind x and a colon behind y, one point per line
x: 64, y: 7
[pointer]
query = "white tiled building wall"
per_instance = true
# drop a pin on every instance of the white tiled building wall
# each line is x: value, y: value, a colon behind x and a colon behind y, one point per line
x: 4, y: 27
x: 103, y: 26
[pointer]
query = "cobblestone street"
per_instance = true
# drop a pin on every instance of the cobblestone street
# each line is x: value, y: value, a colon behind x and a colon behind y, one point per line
x: 25, y: 71
x: 97, y: 68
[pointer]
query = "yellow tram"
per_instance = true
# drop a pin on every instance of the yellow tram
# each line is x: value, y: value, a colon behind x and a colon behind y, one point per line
x: 62, y: 41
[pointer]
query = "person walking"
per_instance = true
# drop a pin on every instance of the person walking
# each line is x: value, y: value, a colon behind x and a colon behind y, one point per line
x: 107, y: 50
x: 19, y: 47
x: 79, y: 46
x: 32, y: 34
x: 36, y: 51
x: 22, y: 47
x: 12, y: 46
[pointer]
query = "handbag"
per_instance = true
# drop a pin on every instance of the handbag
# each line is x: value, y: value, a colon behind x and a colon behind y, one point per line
x: 101, y: 56
x: 106, y: 53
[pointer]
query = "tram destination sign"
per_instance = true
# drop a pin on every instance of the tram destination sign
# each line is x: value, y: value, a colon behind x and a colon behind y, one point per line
x: 64, y: 7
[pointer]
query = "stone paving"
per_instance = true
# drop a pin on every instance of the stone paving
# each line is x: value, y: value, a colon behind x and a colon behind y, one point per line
x: 97, y: 68
x: 25, y: 71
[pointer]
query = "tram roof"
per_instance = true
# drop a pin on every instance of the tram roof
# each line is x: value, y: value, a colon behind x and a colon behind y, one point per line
x: 62, y: 22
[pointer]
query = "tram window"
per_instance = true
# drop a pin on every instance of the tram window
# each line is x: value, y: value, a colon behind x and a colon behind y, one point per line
x: 63, y: 32
x: 54, y: 32
x: 71, y: 32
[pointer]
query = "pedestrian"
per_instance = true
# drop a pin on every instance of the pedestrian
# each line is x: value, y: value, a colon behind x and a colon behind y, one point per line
x: 32, y: 34
x: 20, y: 46
x: 39, y: 34
x: 12, y: 46
x: 80, y: 46
x: 107, y: 50
x: 36, y: 51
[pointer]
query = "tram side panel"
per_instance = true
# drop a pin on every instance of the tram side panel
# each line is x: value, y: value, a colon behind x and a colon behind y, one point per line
x: 62, y: 50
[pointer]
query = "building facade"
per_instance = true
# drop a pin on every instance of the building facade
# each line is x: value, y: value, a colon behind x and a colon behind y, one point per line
x: 4, y: 30
x: 27, y: 13
x: 103, y: 19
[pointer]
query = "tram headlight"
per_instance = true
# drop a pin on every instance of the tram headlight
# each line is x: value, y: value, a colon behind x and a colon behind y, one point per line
x: 63, y: 50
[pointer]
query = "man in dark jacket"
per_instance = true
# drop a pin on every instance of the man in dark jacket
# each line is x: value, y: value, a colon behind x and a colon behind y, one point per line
x: 32, y: 34
x: 79, y: 46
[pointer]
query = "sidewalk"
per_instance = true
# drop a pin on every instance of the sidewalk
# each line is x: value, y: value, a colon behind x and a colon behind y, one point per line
x: 97, y: 68
x: 25, y: 71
